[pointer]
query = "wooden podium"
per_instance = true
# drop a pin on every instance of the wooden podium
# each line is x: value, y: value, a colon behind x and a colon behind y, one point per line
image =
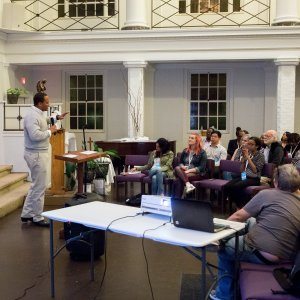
x: 57, y: 141
x: 80, y: 159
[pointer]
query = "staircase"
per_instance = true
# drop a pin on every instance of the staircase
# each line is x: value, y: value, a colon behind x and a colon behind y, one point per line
x: 13, y: 189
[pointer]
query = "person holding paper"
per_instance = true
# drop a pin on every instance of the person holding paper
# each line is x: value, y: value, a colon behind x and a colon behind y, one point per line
x: 36, y: 142
x: 159, y: 166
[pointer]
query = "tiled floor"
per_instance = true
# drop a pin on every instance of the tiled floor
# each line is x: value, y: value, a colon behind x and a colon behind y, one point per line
x: 24, y: 265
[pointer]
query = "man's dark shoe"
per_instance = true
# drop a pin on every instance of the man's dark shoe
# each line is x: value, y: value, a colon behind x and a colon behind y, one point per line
x: 24, y: 220
x: 42, y: 223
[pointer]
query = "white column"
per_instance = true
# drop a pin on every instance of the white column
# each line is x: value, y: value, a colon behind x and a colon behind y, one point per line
x: 286, y: 12
x: 135, y: 87
x: 286, y: 83
x: 136, y: 15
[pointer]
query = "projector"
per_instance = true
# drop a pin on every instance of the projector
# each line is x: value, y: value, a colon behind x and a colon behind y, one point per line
x: 160, y: 205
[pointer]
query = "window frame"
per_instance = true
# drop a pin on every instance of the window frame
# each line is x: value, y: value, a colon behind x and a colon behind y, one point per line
x: 229, y: 93
x: 68, y: 96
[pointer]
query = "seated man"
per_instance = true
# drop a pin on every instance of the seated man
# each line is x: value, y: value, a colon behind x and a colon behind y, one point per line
x: 274, y: 236
x: 216, y: 151
x: 236, y: 143
x: 273, y: 151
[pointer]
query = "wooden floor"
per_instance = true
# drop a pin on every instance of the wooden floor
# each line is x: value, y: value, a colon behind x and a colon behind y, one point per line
x: 24, y: 264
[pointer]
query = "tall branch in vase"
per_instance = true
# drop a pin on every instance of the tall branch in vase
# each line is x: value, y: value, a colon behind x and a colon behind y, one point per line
x: 134, y: 106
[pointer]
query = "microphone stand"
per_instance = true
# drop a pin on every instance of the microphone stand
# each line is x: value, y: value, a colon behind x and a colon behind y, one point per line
x: 85, y: 164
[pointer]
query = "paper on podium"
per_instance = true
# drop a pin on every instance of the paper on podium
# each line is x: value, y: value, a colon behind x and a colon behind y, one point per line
x: 88, y: 152
x: 70, y: 155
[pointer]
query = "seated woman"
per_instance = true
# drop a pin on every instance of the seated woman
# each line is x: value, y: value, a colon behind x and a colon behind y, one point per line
x: 238, y: 153
x: 159, y: 166
x: 192, y: 166
x: 252, y: 163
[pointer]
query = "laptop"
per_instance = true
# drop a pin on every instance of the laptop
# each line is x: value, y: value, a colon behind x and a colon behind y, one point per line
x: 196, y: 215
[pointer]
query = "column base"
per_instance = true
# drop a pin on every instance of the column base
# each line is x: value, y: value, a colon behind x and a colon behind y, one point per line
x: 286, y: 21
x: 133, y: 27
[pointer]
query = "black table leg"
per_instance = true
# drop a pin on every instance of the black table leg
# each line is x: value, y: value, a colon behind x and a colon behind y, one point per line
x: 52, y: 260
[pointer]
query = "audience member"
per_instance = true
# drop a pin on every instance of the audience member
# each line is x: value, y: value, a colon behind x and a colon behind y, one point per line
x: 238, y: 153
x: 236, y: 143
x: 216, y: 151
x: 284, y: 139
x: 206, y: 140
x: 273, y: 238
x: 293, y: 146
x: 192, y: 166
x: 273, y: 151
x: 252, y: 164
x: 160, y: 165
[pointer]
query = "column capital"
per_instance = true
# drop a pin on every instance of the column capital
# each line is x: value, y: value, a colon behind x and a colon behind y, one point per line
x: 293, y: 61
x: 135, y: 64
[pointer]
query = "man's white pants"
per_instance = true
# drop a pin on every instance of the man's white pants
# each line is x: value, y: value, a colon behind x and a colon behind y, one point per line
x: 34, y: 203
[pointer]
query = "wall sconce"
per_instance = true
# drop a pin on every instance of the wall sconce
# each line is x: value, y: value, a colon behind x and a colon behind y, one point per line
x: 23, y: 80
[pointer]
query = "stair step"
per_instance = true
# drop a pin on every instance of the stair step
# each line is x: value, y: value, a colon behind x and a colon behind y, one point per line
x: 11, y: 181
x: 14, y: 199
x: 5, y: 170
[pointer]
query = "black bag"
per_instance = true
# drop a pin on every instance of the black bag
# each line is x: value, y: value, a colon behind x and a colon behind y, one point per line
x: 134, y: 200
x: 80, y: 250
x: 289, y: 279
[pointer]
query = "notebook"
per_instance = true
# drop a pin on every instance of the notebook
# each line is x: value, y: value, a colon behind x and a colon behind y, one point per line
x: 196, y: 215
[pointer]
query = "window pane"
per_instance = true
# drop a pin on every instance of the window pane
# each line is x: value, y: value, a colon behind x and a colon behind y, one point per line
x: 99, y: 81
x: 90, y: 81
x: 203, y: 94
x: 194, y: 94
x: 203, y: 109
x: 182, y: 6
x: 222, y: 79
x: 203, y: 79
x: 61, y: 11
x: 213, y: 109
x: 99, y: 95
x: 202, y: 123
x: 81, y: 109
x: 111, y: 7
x: 81, y: 122
x: 99, y: 9
x: 72, y: 10
x: 204, y: 6
x: 222, y: 109
x: 73, y: 109
x: 214, y: 5
x: 223, y: 5
x: 213, y: 122
x: 73, y: 82
x: 194, y: 123
x: 236, y: 5
x: 81, y: 10
x: 81, y: 95
x: 90, y: 109
x: 91, y: 122
x: 194, y: 79
x: 213, y: 94
x: 73, y: 95
x: 90, y: 10
x: 222, y: 93
x: 222, y: 123
x: 81, y: 82
x: 194, y: 109
x: 99, y: 109
x: 90, y: 95
x: 99, y: 123
x: 213, y: 79
x: 194, y: 6
x: 73, y: 123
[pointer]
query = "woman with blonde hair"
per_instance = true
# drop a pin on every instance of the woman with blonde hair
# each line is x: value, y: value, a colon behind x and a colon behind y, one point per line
x: 192, y: 166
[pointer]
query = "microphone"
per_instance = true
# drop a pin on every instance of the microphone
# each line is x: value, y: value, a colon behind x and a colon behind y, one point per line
x: 85, y: 126
x: 52, y: 121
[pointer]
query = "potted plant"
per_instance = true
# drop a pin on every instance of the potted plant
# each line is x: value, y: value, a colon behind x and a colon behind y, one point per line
x: 13, y: 95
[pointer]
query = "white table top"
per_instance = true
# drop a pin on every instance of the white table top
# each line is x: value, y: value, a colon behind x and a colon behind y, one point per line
x: 99, y: 215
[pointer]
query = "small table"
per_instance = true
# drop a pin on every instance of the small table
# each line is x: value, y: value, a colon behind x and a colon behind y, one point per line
x: 79, y: 157
x: 129, y: 221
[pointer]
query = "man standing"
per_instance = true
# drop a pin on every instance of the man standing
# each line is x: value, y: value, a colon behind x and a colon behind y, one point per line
x: 215, y: 150
x: 36, y: 140
x: 273, y: 238
x: 273, y: 151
